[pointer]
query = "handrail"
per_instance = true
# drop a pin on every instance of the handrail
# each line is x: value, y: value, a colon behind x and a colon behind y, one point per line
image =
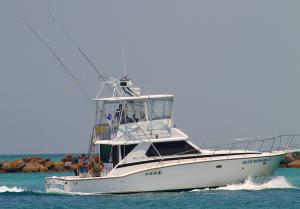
x: 260, y: 139
x: 275, y: 143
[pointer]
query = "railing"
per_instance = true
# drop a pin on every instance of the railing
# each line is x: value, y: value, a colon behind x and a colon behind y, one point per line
x: 248, y: 146
x: 258, y: 145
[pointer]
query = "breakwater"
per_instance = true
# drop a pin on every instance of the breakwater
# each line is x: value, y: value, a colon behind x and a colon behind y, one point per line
x: 291, y: 160
x: 39, y: 164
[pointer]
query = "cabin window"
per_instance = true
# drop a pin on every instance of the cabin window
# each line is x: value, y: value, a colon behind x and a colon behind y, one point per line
x: 122, y: 112
x: 105, y: 151
x: 109, y: 154
x: 126, y: 149
x: 160, y: 108
x: 171, y: 148
x: 135, y: 111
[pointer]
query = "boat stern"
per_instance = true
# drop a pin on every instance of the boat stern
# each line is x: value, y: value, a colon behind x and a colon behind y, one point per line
x: 56, y: 185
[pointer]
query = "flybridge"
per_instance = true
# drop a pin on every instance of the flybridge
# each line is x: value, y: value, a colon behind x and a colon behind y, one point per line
x: 124, y: 116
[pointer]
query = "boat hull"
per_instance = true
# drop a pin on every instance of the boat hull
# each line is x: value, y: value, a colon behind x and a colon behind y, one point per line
x: 179, y: 176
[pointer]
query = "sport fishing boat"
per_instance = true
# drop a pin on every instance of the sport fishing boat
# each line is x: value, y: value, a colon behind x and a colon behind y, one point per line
x: 142, y: 150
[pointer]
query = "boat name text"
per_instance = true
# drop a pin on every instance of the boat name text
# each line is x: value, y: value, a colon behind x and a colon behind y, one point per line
x: 264, y: 161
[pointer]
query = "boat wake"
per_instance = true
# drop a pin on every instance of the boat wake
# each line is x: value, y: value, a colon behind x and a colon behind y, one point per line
x: 277, y: 182
x: 15, y: 189
x: 11, y: 189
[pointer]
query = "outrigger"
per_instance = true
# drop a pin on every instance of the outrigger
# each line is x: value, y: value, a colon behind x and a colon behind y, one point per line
x: 142, y: 150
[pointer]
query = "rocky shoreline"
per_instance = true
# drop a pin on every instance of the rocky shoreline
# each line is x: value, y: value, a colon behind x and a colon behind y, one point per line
x: 291, y: 160
x: 39, y: 164
x: 69, y: 163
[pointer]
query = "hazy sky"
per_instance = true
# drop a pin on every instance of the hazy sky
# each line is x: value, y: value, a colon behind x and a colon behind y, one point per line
x: 233, y: 66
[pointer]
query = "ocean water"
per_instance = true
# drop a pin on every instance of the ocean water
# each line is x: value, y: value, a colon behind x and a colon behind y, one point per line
x: 26, y: 190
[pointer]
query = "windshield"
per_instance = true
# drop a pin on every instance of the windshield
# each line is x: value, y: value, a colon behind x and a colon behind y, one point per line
x: 155, y: 113
x: 122, y: 112
x: 160, y: 108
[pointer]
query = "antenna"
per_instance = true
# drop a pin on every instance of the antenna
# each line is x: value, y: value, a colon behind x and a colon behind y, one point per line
x: 124, y: 62
x: 77, y: 83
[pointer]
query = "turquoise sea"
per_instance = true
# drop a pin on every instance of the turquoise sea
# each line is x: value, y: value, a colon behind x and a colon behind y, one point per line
x: 26, y: 190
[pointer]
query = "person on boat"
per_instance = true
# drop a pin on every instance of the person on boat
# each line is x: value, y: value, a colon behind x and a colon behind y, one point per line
x: 96, y: 167
x: 83, y: 166
x: 75, y: 170
x: 121, y: 115
x: 118, y: 114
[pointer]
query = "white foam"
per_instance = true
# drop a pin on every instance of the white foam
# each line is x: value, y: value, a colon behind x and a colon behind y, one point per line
x: 277, y: 182
x: 10, y: 189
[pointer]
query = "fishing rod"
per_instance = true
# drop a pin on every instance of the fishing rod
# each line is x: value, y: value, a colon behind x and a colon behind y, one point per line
x: 77, y: 46
x: 54, y: 19
x: 77, y: 83
x: 95, y: 69
x: 86, y: 58
x: 63, y: 65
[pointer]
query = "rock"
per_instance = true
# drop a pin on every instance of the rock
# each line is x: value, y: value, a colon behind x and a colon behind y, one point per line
x: 43, y: 168
x: 58, y: 166
x: 31, y: 159
x: 17, y: 165
x: 289, y: 158
x: 34, y: 167
x: 35, y: 159
x: 67, y: 165
x: 294, y: 164
x: 6, y: 166
x: 31, y: 167
x: 49, y: 165
x: 70, y: 158
x: 296, y: 155
x: 283, y: 165
x: 38, y: 164
x: 46, y: 160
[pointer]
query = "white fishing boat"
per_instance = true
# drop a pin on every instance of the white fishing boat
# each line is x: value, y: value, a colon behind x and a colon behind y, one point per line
x: 143, y: 151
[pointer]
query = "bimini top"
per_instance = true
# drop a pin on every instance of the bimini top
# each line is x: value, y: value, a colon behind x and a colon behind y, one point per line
x: 158, y: 96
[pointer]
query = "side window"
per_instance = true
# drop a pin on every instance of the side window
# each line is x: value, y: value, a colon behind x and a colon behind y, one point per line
x: 105, y: 151
x: 160, y: 108
x: 109, y: 154
x: 126, y: 149
x: 171, y: 148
